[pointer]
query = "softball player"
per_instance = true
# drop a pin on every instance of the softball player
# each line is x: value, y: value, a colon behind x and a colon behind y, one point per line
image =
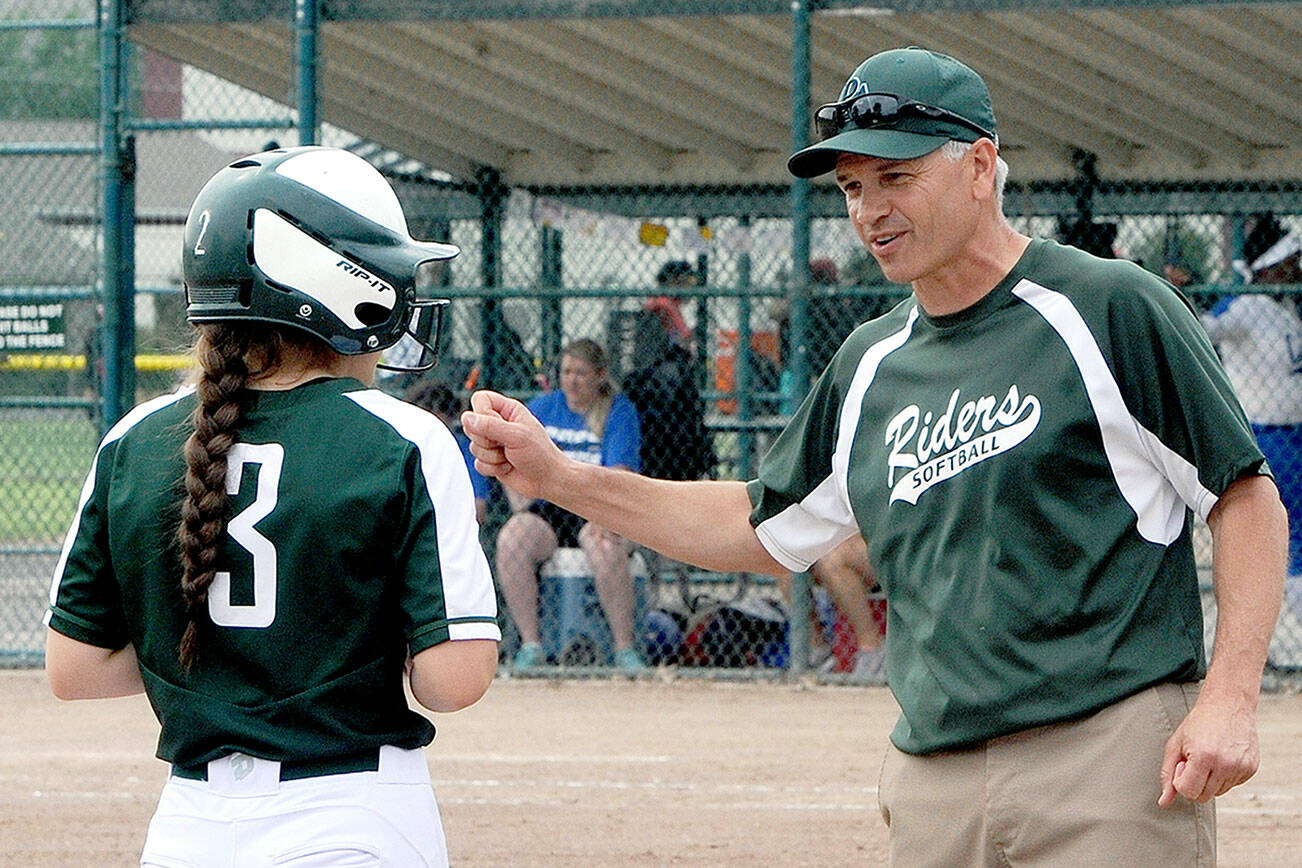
x: 265, y: 552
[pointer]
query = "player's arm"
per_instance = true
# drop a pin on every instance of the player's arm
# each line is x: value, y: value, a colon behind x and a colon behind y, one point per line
x: 453, y: 675
x: 704, y: 523
x: 78, y: 670
x: 1215, y: 747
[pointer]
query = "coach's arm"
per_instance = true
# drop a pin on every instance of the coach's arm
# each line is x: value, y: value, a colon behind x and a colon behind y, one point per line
x: 704, y: 523
x: 1215, y: 747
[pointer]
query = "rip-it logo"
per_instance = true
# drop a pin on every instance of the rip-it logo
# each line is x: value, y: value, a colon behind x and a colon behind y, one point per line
x: 926, y: 450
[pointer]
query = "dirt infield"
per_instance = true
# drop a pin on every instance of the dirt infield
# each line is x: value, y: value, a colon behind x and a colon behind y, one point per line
x: 585, y: 773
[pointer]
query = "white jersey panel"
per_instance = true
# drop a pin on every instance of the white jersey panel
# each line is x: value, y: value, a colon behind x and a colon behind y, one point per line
x: 804, y: 532
x: 1155, y: 481
x: 467, y: 581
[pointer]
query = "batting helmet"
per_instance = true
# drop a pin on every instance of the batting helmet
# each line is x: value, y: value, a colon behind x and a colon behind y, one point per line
x: 312, y: 238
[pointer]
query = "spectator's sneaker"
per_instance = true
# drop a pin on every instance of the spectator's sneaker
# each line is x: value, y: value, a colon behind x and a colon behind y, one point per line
x: 529, y: 656
x: 869, y: 667
x: 628, y: 661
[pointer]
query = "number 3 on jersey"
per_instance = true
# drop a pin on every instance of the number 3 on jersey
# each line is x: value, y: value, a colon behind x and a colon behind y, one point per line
x: 262, y: 611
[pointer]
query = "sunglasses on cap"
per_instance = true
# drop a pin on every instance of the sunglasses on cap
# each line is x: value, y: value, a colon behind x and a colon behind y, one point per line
x: 883, y: 109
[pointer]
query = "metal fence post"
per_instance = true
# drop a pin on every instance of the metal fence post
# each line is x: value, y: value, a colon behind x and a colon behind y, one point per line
x: 118, y: 178
x: 492, y: 202
x: 550, y: 313
x: 797, y: 366
x: 305, y: 28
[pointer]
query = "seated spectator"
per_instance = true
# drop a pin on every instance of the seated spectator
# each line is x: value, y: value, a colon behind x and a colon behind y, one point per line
x: 442, y: 402
x: 590, y: 422
x: 848, y: 578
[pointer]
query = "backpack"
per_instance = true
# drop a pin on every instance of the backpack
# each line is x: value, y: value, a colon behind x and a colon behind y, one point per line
x: 750, y: 631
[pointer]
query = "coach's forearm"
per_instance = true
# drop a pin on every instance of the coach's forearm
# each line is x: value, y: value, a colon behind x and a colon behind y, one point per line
x: 1249, y: 550
x: 704, y: 523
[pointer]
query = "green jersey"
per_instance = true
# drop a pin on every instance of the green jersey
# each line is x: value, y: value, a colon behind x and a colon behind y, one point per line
x: 351, y: 543
x: 1025, y: 473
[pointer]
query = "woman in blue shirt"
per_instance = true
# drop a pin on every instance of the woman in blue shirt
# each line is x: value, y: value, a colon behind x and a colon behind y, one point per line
x: 591, y: 422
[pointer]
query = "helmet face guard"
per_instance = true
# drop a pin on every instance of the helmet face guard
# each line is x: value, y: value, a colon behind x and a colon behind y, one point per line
x: 315, y: 239
x: 420, y: 337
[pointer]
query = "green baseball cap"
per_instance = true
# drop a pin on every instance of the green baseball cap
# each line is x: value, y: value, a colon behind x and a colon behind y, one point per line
x: 937, y: 98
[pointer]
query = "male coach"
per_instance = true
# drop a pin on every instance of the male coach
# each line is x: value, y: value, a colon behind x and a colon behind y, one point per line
x: 1023, y: 443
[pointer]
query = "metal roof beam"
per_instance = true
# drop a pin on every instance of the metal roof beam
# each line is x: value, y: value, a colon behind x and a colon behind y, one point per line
x: 205, y: 49
x: 1129, y: 64
x: 597, y: 83
x: 1217, y: 74
x: 1065, y: 89
x: 732, y: 97
x: 252, y: 11
x: 1252, y: 30
x: 446, y: 90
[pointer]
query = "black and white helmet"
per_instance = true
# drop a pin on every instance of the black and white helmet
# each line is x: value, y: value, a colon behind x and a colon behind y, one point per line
x: 314, y: 238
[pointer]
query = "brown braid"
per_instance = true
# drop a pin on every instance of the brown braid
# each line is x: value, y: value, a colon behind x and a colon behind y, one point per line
x: 222, y: 352
x: 230, y: 356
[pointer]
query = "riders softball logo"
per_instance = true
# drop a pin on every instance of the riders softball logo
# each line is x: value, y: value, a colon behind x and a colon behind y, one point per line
x: 926, y: 451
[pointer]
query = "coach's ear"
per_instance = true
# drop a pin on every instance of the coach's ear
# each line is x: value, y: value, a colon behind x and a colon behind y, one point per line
x: 985, y: 161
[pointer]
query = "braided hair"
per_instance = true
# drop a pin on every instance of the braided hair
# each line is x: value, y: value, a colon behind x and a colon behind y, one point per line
x: 229, y: 356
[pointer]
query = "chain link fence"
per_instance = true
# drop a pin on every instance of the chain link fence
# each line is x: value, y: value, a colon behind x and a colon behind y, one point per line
x: 699, y: 313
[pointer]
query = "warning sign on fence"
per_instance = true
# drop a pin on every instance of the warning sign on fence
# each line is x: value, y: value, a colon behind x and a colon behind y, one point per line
x: 34, y: 327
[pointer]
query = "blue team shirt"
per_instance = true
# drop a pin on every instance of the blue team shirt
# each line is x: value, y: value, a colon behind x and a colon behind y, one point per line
x: 620, y: 446
x: 478, y: 483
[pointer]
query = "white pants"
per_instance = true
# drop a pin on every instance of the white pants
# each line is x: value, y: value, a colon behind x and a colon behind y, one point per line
x: 244, y: 816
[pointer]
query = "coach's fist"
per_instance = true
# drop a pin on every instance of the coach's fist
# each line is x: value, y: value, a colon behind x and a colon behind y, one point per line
x: 510, y: 444
x: 1213, y: 750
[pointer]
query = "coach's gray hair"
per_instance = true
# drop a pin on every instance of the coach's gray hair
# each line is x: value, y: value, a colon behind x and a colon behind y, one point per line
x: 954, y: 151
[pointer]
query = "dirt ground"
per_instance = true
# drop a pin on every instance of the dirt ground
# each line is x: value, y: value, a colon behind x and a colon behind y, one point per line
x: 583, y: 773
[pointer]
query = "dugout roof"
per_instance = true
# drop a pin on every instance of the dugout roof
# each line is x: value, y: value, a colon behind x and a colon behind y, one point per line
x: 581, y: 93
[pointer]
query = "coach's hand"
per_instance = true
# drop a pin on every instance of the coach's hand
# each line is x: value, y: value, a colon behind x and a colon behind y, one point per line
x: 1213, y: 750
x: 510, y: 444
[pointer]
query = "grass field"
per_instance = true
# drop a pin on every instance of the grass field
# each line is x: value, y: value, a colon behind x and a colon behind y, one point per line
x: 44, y: 456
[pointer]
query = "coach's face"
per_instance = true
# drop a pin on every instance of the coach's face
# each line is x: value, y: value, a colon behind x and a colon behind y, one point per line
x: 914, y: 216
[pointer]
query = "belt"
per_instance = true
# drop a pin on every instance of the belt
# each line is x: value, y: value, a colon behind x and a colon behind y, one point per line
x: 293, y: 770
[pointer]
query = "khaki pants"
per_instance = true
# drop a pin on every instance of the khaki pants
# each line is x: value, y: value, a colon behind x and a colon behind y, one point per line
x: 1082, y: 793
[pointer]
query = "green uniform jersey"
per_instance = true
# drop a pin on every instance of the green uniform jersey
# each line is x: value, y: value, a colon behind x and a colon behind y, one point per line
x: 351, y: 542
x: 1025, y: 472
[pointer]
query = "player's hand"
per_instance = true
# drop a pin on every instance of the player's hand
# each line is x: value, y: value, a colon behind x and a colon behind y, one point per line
x: 1213, y: 750
x: 509, y: 444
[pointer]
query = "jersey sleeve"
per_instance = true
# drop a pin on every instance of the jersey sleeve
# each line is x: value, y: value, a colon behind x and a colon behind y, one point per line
x: 1176, y: 387
x: 621, y: 444
x: 800, y: 511
x: 85, y: 601
x: 447, y: 587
